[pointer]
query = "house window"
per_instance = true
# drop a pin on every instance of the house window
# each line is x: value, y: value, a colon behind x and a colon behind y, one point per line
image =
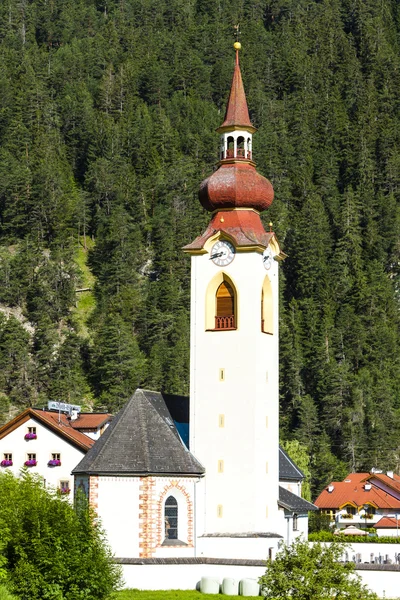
x: 56, y: 456
x: 31, y: 456
x: 171, y: 518
x: 7, y: 456
x: 32, y: 430
x: 350, y: 510
x: 64, y: 487
x: 331, y: 513
x: 295, y: 524
x: 368, y: 509
x: 225, y: 307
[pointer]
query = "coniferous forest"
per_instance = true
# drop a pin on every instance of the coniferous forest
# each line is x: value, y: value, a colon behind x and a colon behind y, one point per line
x: 108, y: 110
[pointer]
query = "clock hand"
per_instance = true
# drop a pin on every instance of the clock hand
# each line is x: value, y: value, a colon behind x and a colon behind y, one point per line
x: 217, y: 255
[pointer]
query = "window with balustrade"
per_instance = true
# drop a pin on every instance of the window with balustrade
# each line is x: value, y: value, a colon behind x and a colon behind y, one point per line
x: 221, y: 304
x: 225, y: 307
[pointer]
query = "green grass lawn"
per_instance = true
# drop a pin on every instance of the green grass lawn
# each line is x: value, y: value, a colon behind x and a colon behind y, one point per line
x: 170, y: 595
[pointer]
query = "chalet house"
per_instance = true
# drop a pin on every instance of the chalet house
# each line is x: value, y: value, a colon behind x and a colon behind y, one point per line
x: 50, y: 443
x: 364, y: 500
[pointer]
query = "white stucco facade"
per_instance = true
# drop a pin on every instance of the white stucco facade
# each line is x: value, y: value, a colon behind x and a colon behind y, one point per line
x: 133, y: 515
x: 234, y: 399
x: 43, y: 447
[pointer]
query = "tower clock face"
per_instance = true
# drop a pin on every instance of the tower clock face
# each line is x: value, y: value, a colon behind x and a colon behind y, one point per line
x: 267, y: 258
x: 222, y: 253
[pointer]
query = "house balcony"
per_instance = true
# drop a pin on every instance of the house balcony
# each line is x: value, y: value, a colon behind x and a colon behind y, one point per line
x: 358, y: 520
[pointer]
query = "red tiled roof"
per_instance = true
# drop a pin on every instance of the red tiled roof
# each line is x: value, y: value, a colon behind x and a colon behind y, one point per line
x: 84, y: 420
x: 59, y: 423
x: 387, y: 523
x: 352, y: 490
x: 393, y: 482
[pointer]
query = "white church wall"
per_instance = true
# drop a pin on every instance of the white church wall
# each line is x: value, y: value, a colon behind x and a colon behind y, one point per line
x: 185, y: 577
x: 243, y: 548
x: 241, y: 455
x: 182, y: 577
x: 46, y: 443
x: 118, y: 510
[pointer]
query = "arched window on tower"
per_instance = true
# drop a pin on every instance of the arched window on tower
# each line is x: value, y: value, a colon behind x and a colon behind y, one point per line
x: 267, y: 312
x: 171, y: 518
x: 230, y: 147
x: 225, y: 307
x: 240, y: 147
x: 221, y: 304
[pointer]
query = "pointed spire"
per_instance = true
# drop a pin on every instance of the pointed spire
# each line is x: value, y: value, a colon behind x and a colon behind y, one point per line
x: 237, y: 113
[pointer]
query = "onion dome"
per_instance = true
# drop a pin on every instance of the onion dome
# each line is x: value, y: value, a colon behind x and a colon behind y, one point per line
x: 236, y: 183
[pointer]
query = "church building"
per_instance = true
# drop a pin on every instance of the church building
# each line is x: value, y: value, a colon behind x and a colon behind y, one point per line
x: 201, y: 478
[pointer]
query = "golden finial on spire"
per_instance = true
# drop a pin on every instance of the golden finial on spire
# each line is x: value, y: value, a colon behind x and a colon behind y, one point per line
x: 237, y: 45
x: 270, y: 226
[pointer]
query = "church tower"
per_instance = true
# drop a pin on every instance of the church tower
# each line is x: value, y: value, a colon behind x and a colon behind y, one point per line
x: 234, y: 395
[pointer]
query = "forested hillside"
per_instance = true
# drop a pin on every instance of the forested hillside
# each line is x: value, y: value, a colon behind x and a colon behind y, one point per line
x: 108, y: 112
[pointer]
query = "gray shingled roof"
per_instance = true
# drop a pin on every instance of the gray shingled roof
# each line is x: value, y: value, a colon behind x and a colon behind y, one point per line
x: 294, y: 503
x: 142, y: 439
x: 288, y: 471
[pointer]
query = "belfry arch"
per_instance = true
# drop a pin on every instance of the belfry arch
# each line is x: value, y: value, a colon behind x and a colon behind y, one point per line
x: 267, y: 307
x: 221, y: 304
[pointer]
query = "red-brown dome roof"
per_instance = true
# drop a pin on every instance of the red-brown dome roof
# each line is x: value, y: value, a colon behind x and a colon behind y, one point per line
x: 236, y: 185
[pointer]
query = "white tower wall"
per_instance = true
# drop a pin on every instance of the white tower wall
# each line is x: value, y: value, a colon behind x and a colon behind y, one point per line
x: 234, y: 413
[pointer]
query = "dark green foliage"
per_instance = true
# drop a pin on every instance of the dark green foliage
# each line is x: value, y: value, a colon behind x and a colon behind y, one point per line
x: 108, y: 113
x: 318, y: 522
x: 305, y: 572
x: 48, y: 549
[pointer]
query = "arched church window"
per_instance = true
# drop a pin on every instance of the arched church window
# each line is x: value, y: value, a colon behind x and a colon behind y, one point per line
x: 240, y: 147
x: 225, y: 307
x: 230, y: 147
x: 171, y: 518
x: 267, y: 314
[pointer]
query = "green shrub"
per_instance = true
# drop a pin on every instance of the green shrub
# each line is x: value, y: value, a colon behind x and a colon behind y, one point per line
x: 5, y: 594
x: 307, y: 572
x: 49, y: 550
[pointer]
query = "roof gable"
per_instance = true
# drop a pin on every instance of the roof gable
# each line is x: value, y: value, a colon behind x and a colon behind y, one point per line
x: 287, y: 468
x: 58, y: 424
x: 141, y: 439
x: 294, y: 503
